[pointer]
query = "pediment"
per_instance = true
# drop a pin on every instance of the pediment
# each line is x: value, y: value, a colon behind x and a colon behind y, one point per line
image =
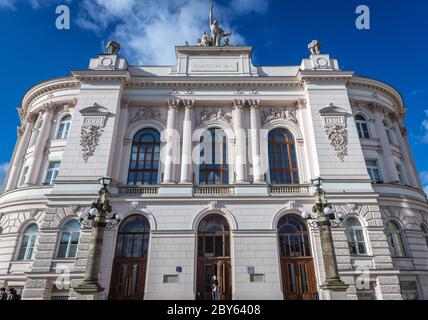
x: 333, y: 110
x: 95, y: 110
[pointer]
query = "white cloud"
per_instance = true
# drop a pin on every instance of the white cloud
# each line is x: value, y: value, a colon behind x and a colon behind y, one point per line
x: 35, y: 4
x: 148, y: 30
x: 3, y: 170
x: 7, y: 4
x: 247, y: 6
x: 417, y: 91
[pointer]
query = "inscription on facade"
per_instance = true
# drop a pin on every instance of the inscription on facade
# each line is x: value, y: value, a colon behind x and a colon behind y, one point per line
x: 214, y: 67
x: 334, y: 120
x: 94, y: 120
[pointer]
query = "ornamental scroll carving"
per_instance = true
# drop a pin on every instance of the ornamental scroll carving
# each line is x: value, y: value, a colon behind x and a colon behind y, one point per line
x: 94, y: 120
x: 147, y: 114
x: 338, y: 136
x: 89, y: 138
x: 284, y: 114
x: 334, y: 119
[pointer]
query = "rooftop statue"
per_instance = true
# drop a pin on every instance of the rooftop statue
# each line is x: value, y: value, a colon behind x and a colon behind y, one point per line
x: 217, y: 34
x: 113, y: 47
x: 314, y: 47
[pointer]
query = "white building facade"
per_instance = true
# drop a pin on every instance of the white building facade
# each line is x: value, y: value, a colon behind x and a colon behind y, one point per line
x: 211, y: 161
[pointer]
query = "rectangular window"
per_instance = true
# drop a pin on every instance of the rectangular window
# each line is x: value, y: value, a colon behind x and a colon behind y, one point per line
x: 23, y: 176
x: 367, y: 293
x: 409, y: 290
x: 60, y: 294
x: 400, y: 173
x: 52, y: 172
x: 373, y: 170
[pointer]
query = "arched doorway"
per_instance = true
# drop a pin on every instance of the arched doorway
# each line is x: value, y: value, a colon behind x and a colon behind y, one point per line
x: 130, y: 261
x: 297, y: 264
x: 214, y: 258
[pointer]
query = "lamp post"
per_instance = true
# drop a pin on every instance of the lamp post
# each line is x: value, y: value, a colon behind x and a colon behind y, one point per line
x: 97, y: 219
x: 324, y: 220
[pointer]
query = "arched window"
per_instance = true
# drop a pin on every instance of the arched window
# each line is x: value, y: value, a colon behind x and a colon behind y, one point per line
x: 424, y: 230
x: 362, y: 126
x: 293, y: 237
x: 133, y: 238
x: 64, y: 127
x: 213, y: 168
x: 282, y: 157
x: 388, y: 131
x: 28, y: 242
x: 69, y: 240
x: 213, y: 237
x: 36, y: 132
x: 144, y: 165
x: 395, y: 239
x: 355, y: 235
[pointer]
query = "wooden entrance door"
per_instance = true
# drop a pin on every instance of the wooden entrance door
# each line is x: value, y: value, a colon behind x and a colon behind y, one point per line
x: 128, y: 279
x: 214, y: 258
x: 207, y: 268
x: 297, y: 264
x: 129, y: 266
x: 298, y: 278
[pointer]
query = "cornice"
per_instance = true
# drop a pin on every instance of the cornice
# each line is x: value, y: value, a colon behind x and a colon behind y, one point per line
x: 101, y: 75
x: 210, y: 83
x: 379, y: 87
x: 46, y: 87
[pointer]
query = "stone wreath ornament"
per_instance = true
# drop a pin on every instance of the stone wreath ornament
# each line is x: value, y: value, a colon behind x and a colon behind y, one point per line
x: 89, y: 137
x: 338, y: 136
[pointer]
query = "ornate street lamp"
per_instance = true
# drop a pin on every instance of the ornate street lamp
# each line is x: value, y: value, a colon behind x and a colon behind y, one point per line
x: 325, y: 219
x: 98, y: 219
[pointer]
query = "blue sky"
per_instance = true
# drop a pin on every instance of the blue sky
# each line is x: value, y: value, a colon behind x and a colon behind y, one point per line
x: 394, y: 49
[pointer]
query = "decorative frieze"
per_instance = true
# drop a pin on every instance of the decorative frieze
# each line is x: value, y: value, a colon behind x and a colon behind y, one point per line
x: 207, y: 116
x: 146, y: 113
x: 287, y: 113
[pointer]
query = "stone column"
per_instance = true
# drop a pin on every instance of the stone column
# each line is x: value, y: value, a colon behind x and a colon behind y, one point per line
x: 19, y: 156
x: 389, y: 171
x: 169, y: 174
x: 186, y: 157
x: 36, y: 159
x: 407, y: 163
x: 258, y: 176
x: 118, y: 174
x: 240, y: 152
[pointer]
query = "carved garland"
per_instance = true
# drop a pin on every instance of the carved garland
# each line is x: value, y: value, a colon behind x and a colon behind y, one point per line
x: 338, y: 136
x: 89, y: 137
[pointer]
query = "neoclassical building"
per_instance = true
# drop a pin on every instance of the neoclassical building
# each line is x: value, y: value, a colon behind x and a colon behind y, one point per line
x: 211, y: 161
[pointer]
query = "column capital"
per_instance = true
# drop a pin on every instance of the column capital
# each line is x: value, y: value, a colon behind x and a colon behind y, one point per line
x: 374, y: 106
x: 20, y: 130
x: 173, y: 103
x: 188, y: 103
x: 239, y: 103
x: 301, y: 103
x: 254, y: 103
x: 124, y: 103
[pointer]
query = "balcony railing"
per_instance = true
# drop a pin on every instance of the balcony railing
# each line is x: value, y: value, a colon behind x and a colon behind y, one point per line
x: 280, y: 190
x: 200, y: 191
x: 139, y: 190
